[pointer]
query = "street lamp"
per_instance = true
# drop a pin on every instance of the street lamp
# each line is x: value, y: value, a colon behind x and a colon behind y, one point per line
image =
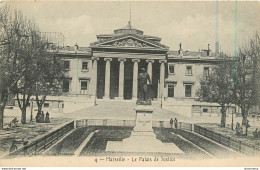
x: 31, y: 110
x: 95, y: 100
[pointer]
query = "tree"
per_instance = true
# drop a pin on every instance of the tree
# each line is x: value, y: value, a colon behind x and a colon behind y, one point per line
x: 22, y: 50
x: 218, y: 86
x: 247, y: 76
x: 49, y: 78
x: 9, y: 72
x: 27, y: 52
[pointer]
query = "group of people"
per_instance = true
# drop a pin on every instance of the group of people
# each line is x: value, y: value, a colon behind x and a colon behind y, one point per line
x: 256, y: 133
x: 14, y: 147
x: 175, y: 121
x: 242, y: 129
x: 40, y: 117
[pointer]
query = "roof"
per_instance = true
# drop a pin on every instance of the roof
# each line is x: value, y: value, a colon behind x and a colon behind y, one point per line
x: 71, y: 50
x: 128, y: 26
x: 190, y: 54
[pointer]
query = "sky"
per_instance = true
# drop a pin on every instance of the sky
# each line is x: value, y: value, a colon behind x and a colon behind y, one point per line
x: 194, y: 24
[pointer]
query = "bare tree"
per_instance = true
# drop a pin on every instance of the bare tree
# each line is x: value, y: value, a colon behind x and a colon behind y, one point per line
x: 22, y: 50
x: 218, y: 86
x: 247, y: 76
x: 49, y: 78
x: 9, y: 72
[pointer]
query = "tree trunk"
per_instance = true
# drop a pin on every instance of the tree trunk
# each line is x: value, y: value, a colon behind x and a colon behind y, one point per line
x: 2, y: 117
x: 4, y: 97
x: 244, y: 115
x: 40, y: 103
x: 223, y: 117
x: 39, y: 108
x: 23, y: 120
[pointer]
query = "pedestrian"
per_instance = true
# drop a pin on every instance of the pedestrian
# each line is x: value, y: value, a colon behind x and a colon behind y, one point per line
x: 13, y: 146
x: 247, y: 126
x: 47, y: 118
x: 176, y: 123
x: 171, y: 122
x: 255, y: 133
x: 25, y: 141
x: 41, y: 120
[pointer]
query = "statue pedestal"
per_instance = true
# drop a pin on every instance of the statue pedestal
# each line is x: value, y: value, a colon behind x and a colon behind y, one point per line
x: 143, y: 138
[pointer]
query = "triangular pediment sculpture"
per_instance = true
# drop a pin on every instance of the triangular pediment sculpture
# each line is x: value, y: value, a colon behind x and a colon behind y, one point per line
x: 130, y: 42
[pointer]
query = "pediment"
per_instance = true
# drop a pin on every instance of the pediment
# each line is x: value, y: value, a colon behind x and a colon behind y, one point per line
x: 130, y: 42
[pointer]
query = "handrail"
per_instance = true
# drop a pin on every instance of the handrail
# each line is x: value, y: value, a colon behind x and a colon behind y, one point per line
x: 41, y: 144
x: 233, y: 143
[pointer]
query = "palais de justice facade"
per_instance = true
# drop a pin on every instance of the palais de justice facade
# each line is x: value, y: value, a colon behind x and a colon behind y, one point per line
x: 110, y: 66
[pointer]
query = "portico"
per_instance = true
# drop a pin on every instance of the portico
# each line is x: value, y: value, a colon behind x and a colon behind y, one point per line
x: 119, y: 78
x: 118, y: 58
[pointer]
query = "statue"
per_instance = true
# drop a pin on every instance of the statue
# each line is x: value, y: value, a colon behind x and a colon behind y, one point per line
x: 143, y: 87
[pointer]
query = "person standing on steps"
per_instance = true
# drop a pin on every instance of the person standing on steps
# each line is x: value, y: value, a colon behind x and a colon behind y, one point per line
x: 47, y: 118
x: 176, y: 123
x: 171, y: 122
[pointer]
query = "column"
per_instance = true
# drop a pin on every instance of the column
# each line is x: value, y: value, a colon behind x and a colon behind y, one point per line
x: 107, y: 78
x: 150, y: 68
x: 135, y: 81
x: 162, y: 76
x: 94, y: 76
x: 121, y: 78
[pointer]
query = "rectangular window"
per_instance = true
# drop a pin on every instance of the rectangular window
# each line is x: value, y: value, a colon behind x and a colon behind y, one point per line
x: 205, y: 110
x: 66, y: 65
x: 188, y: 70
x: 170, y: 90
x: 84, y: 85
x: 46, y: 105
x: 84, y: 65
x: 171, y: 69
x: 66, y: 85
x: 187, y: 90
x: 206, y: 71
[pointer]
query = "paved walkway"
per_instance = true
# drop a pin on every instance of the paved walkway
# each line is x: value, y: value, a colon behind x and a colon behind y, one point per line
x: 121, y: 110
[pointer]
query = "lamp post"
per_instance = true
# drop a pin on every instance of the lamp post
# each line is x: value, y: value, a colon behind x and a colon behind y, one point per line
x: 31, y: 110
x: 232, y: 124
x: 95, y: 101
x: 161, y: 100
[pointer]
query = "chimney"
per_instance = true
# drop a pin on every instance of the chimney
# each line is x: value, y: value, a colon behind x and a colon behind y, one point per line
x: 208, y: 51
x: 180, y: 50
x: 76, y: 47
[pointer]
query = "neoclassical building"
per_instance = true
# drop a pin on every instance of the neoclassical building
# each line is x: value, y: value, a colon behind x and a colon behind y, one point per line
x: 109, y: 67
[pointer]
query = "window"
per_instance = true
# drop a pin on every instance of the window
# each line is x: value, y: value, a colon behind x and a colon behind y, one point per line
x: 46, y: 105
x: 187, y: 90
x: 206, y: 71
x: 84, y: 65
x: 170, y: 90
x: 188, y: 70
x: 66, y: 65
x: 205, y: 110
x: 84, y: 85
x: 171, y: 69
x: 66, y: 85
